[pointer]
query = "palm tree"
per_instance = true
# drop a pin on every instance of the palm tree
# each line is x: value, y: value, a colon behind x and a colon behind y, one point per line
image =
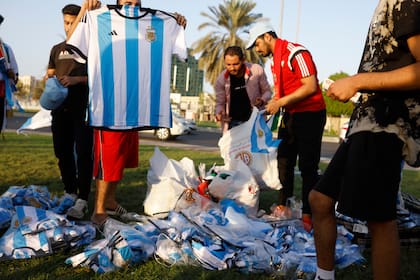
x: 229, y: 22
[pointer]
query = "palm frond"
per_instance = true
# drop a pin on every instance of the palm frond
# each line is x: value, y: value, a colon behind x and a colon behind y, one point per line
x: 228, y: 24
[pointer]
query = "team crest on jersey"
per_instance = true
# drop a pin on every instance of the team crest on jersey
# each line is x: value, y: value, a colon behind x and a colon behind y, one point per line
x: 150, y: 34
x: 245, y: 156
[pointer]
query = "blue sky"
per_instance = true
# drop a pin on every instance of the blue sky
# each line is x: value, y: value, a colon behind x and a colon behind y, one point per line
x: 334, y: 31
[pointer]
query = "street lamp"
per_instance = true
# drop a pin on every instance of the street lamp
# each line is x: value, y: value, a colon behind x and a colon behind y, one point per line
x: 299, y: 3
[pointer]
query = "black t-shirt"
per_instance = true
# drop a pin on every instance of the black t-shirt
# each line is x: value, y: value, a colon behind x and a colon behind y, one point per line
x: 240, y: 106
x: 65, y: 63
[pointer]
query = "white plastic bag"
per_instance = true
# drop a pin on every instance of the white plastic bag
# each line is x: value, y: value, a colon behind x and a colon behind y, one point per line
x: 170, y: 185
x: 253, y: 143
x: 237, y: 183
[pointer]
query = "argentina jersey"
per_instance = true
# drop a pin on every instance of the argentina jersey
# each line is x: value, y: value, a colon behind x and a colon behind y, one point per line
x: 129, y: 65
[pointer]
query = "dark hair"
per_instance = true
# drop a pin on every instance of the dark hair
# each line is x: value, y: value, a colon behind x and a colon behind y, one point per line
x: 1, y: 19
x: 234, y: 50
x: 271, y: 33
x: 71, y: 9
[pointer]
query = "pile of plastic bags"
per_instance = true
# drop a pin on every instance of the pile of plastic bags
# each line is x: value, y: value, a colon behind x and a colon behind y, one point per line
x: 209, y: 219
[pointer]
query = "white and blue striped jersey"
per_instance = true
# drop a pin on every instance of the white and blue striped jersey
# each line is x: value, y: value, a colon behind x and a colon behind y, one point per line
x: 129, y: 65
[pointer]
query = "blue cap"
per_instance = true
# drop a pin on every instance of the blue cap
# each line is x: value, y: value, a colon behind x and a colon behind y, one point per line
x: 54, y: 94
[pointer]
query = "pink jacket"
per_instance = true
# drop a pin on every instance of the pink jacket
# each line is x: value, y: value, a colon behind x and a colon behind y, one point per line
x: 256, y: 86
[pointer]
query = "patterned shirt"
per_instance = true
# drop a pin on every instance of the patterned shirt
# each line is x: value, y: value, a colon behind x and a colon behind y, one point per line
x: 386, y: 49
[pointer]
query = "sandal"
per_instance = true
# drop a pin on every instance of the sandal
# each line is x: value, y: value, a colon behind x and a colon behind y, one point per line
x: 118, y: 211
x: 100, y: 226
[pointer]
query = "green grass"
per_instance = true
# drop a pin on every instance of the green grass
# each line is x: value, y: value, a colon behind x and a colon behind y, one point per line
x: 208, y: 124
x: 29, y: 160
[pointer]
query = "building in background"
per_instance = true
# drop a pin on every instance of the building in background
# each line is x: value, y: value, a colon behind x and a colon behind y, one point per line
x: 28, y: 83
x: 186, y: 87
x: 26, y: 92
x: 186, y: 78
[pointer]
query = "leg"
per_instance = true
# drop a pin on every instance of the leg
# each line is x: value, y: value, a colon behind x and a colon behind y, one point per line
x: 325, y: 229
x: 83, y: 142
x: 63, y: 140
x: 104, y: 190
x: 385, y: 249
x: 286, y: 170
x: 84, y: 145
x: 286, y: 158
x: 113, y: 151
x: 308, y: 128
x: 111, y: 200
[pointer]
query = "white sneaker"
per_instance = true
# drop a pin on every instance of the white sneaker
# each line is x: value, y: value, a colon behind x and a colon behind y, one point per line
x: 78, y: 210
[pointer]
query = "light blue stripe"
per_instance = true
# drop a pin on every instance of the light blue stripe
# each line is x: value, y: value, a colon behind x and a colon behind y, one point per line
x: 41, y: 214
x: 254, y: 139
x: 132, y: 64
x: 269, y: 141
x: 19, y: 240
x: 107, y: 66
x: 43, y: 239
x: 156, y: 70
x: 268, y: 138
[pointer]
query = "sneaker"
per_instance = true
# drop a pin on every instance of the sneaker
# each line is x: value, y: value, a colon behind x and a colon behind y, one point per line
x: 118, y: 211
x: 67, y: 195
x: 78, y: 210
x: 405, y: 221
x: 65, y: 202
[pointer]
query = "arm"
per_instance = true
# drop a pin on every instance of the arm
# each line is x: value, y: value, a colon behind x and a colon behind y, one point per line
x: 181, y: 20
x: 219, y: 90
x: 73, y: 80
x: 50, y: 73
x: 67, y: 80
x: 309, y: 86
x: 404, y: 78
x: 95, y: 4
x: 86, y: 6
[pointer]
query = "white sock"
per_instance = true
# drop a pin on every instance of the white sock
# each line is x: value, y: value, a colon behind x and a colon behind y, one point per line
x: 324, y: 274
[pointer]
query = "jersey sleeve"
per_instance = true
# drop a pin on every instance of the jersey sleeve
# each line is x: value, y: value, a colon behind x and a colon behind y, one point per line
x: 303, y: 64
x: 80, y: 37
x: 180, y: 46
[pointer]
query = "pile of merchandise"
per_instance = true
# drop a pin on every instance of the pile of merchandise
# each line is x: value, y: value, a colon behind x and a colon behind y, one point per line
x: 216, y: 226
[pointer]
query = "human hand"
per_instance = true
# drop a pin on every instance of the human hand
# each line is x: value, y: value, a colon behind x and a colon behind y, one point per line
x: 343, y: 89
x: 258, y: 102
x: 91, y: 4
x: 273, y: 106
x: 68, y: 80
x: 11, y: 74
x: 221, y: 117
x: 181, y: 20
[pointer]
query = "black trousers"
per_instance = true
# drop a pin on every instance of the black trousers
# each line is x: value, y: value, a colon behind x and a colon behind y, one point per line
x: 301, y: 135
x: 73, y: 145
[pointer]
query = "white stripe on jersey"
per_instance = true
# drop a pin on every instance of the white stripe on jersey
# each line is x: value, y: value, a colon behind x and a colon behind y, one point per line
x: 295, y: 52
x: 129, y: 65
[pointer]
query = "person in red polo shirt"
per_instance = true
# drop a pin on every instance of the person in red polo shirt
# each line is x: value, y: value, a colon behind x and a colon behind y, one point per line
x: 298, y: 94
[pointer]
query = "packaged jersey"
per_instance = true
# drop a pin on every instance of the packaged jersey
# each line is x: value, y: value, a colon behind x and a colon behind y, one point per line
x: 129, y: 54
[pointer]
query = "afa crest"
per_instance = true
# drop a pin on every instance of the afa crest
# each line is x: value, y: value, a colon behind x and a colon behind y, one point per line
x: 245, y: 156
x: 150, y: 34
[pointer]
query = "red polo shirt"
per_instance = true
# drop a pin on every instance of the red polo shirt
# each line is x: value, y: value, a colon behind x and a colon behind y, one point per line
x: 291, y: 63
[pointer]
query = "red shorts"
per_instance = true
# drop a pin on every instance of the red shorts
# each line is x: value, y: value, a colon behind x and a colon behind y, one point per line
x: 114, y: 151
